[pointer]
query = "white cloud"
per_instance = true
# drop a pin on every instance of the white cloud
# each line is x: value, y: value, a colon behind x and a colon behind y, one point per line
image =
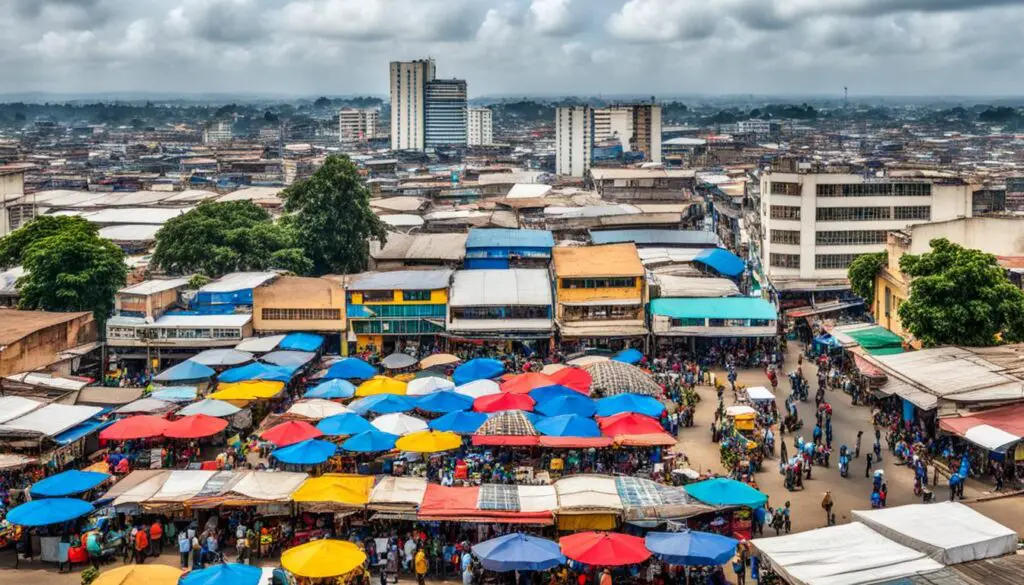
x: 551, y: 17
x: 361, y: 20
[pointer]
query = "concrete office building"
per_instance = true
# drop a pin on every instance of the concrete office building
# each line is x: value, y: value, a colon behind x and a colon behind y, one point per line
x: 481, y: 129
x: 445, y: 113
x: 614, y: 122
x: 357, y: 125
x: 574, y: 138
x: 408, y: 100
x: 217, y: 132
x: 646, y: 136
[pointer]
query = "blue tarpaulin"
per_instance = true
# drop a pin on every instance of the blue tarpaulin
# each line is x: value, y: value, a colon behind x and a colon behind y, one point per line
x: 464, y: 423
x: 612, y: 405
x: 331, y: 389
x: 518, y: 552
x: 175, y: 394
x: 227, y: 574
x: 721, y: 491
x: 48, y: 511
x: 351, y: 369
x: 370, y: 441
x: 302, y: 342
x: 629, y: 356
x: 722, y: 261
x: 343, y: 425
x: 723, y: 308
x: 548, y: 392
x: 478, y: 369
x: 186, y: 370
x: 93, y: 425
x: 383, y: 404
x: 444, y: 401
x: 309, y: 452
x: 67, y: 483
x: 568, y: 425
x: 559, y: 405
x: 827, y: 341
x: 257, y: 371
x: 690, y: 548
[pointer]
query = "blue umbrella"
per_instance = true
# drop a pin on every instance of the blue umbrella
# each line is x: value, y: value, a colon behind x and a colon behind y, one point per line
x: 518, y: 552
x: 301, y: 342
x: 343, y: 425
x: 444, y: 401
x: 336, y: 388
x: 288, y: 358
x: 175, y: 394
x: 722, y: 491
x: 308, y: 452
x: 67, y: 483
x: 478, y: 369
x: 629, y: 356
x: 548, y: 392
x: 228, y: 574
x: 351, y: 369
x: 578, y: 404
x: 646, y: 405
x: 370, y: 441
x: 462, y: 422
x: 691, y: 549
x: 568, y: 425
x: 48, y: 511
x: 186, y: 370
x: 257, y: 371
x: 383, y: 404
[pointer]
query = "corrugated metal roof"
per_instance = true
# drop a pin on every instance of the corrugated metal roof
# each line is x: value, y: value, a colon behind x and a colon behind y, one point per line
x: 238, y: 281
x: 495, y: 288
x: 692, y: 238
x: 610, y: 260
x: 135, y: 215
x: 149, y: 287
x: 401, y: 280
x: 420, y: 247
x: 130, y: 232
x: 509, y: 238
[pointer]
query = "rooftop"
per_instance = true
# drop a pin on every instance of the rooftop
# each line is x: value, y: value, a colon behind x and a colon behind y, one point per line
x: 238, y: 281
x: 16, y: 325
x: 400, y: 280
x: 600, y: 174
x: 509, y: 238
x: 499, y: 288
x: 149, y: 287
x: 687, y: 238
x: 608, y: 260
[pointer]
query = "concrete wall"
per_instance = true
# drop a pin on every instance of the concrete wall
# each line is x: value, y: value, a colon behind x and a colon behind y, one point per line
x: 1002, y: 236
x: 40, y: 348
x: 291, y: 292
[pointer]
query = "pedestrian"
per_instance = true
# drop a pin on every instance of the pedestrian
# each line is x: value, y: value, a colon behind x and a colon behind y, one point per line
x: 606, y: 577
x: 141, y: 544
x: 867, y: 470
x: 156, y: 538
x: 421, y: 566
x: 757, y: 526
x: 826, y: 504
x: 784, y: 453
x: 856, y: 450
x: 184, y: 546
x: 740, y: 569
x: 786, y: 517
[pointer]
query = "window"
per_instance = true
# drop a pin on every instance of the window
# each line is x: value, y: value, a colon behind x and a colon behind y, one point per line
x: 378, y: 296
x: 853, y: 213
x: 598, y: 282
x: 727, y: 322
x: 792, y: 189
x: 688, y: 322
x: 301, y: 314
x: 785, y: 236
x: 784, y: 260
x: 850, y: 237
x: 499, y: 313
x: 785, y: 212
x: 875, y: 190
x: 915, y: 212
x: 834, y: 261
x: 603, y: 312
x: 416, y: 295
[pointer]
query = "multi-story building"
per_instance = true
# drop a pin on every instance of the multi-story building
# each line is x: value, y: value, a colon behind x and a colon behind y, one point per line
x: 292, y: 303
x: 357, y: 125
x: 646, y: 136
x: 445, y: 113
x: 759, y: 128
x: 574, y: 139
x: 408, y: 100
x: 12, y: 191
x: 217, y: 132
x: 480, y: 127
x: 386, y: 309
x: 495, y: 304
x: 616, y: 123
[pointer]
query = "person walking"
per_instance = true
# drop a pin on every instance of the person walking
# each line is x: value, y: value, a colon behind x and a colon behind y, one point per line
x: 141, y: 544
x: 740, y: 569
x: 826, y: 504
x: 856, y: 449
x: 867, y: 470
x: 156, y: 538
x: 184, y: 546
x: 421, y: 566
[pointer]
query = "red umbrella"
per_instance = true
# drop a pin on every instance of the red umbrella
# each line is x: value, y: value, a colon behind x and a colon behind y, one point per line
x: 523, y: 383
x: 629, y: 423
x: 612, y: 549
x: 196, y: 426
x: 503, y: 401
x: 291, y: 432
x: 135, y: 427
x: 576, y: 378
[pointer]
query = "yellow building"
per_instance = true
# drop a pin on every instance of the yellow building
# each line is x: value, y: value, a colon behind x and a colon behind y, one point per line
x: 387, y: 309
x: 599, y: 293
x: 293, y: 303
x: 892, y: 287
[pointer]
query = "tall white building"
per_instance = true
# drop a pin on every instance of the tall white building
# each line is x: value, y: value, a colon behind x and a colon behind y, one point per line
x: 217, y: 132
x: 814, y: 224
x: 480, y: 131
x: 408, y: 101
x: 574, y: 138
x: 614, y: 122
x: 357, y: 125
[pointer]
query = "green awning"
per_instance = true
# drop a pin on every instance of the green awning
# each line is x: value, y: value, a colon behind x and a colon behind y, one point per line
x: 878, y: 340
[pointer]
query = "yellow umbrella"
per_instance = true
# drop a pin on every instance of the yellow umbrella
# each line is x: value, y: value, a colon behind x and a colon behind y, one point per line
x: 429, y: 441
x: 380, y: 385
x: 321, y: 559
x: 250, y: 390
x: 140, y: 575
x: 438, y: 359
x: 339, y: 488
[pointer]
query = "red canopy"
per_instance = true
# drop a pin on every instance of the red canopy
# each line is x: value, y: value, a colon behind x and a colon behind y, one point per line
x: 576, y: 442
x: 507, y: 440
x: 523, y: 383
x: 604, y: 548
x: 291, y: 432
x: 196, y: 426
x: 142, y: 426
x: 629, y: 423
x: 576, y: 378
x: 503, y: 401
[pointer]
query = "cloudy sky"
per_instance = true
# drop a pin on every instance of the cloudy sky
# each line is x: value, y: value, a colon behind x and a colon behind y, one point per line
x: 502, y: 47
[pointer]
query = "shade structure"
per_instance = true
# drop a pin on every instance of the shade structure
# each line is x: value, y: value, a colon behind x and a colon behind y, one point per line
x: 612, y: 377
x: 383, y: 404
x: 721, y: 491
x: 478, y: 369
x: 478, y: 388
x: 609, y: 549
x: 301, y: 341
x: 257, y: 371
x: 317, y: 408
x: 140, y: 575
x: 576, y: 378
x: 552, y: 368
x: 548, y: 392
x: 690, y: 548
x: 350, y: 369
x: 321, y: 559
x: 444, y: 401
x: 135, y: 427
x: 186, y: 370
x: 210, y: 407
x: 398, y: 361
x: 308, y: 452
x: 584, y: 361
x: 223, y: 357
x: 399, y: 424
x: 48, y: 511
x: 145, y: 406
x: 629, y: 356
x: 67, y: 483
x: 343, y: 425
x: 465, y: 423
x: 578, y: 405
x: 291, y: 432
x: 568, y: 425
x: 226, y: 574
x: 429, y: 442
x: 370, y: 441
x: 336, y: 388
x: 250, y: 390
x: 175, y: 394
x: 646, y: 405
x: 508, y: 427
x: 195, y: 426
x: 518, y: 552
x: 288, y: 358
x: 629, y: 423
x: 723, y: 261
x: 523, y: 383
x: 439, y: 359
x: 380, y: 385
x: 428, y: 385
x: 503, y: 401
x: 260, y: 344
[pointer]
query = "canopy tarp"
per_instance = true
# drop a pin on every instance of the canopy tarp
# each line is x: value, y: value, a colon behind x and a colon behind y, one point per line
x: 222, y: 357
x: 267, y: 486
x: 478, y: 369
x: 308, y: 342
x: 350, y: 369
x: 722, y: 261
x: 290, y: 432
x: 308, y: 452
x: 336, y: 388
x: 487, y: 503
x: 68, y: 483
x: 257, y: 371
x: 288, y: 358
x: 48, y: 511
x: 244, y: 391
x: 175, y: 394
x: 877, y: 340
x: 210, y: 407
x: 629, y: 356
x: 397, y: 492
x: 135, y: 427
x: 992, y: 429
x: 186, y: 370
x: 260, y: 344
x: 145, y: 406
x: 317, y: 409
x: 341, y: 489
x: 585, y: 494
x: 195, y: 426
x: 724, y: 308
x: 721, y: 491
x: 343, y: 425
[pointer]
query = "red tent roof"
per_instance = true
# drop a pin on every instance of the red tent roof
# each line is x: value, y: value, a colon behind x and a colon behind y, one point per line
x: 1009, y: 419
x: 629, y: 423
x: 576, y: 442
x: 196, y: 426
x: 576, y: 378
x: 463, y: 504
x: 135, y: 427
x: 523, y: 383
x: 604, y: 548
x: 291, y: 432
x: 503, y: 401
x: 507, y: 440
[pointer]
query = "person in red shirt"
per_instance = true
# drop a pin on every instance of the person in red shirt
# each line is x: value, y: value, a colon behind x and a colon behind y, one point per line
x: 141, y: 544
x: 156, y: 539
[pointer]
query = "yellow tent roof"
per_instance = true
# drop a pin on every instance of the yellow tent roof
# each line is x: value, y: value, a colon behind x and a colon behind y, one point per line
x: 429, y: 442
x: 342, y: 488
x: 380, y: 385
x: 250, y: 390
x: 140, y: 575
x: 438, y: 359
x: 321, y: 559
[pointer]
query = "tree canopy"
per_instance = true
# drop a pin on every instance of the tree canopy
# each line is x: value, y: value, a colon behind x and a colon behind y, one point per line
x: 960, y: 296
x: 332, y: 216
x: 862, y: 272
x: 13, y: 246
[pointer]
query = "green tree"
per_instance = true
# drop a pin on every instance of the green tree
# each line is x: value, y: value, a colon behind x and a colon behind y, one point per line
x: 12, y: 247
x: 960, y: 296
x: 332, y: 215
x: 862, y: 273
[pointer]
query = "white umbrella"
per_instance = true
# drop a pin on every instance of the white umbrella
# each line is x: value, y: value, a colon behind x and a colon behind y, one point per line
x: 427, y: 385
x: 478, y: 388
x: 552, y: 368
x: 398, y: 361
x: 399, y: 423
x: 587, y: 360
x: 209, y: 407
x: 222, y: 357
x: 317, y: 408
x: 260, y: 344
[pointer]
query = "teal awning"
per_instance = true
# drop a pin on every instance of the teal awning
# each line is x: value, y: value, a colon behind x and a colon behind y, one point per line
x: 723, y: 308
x: 878, y: 340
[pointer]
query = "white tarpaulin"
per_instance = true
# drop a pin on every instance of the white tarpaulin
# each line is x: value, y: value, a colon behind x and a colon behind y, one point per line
x: 990, y: 437
x: 537, y: 498
x: 317, y: 409
x: 151, y: 482
x: 950, y: 532
x: 759, y: 393
x: 587, y: 493
x: 11, y: 407
x: 182, y: 485
x: 50, y: 420
x: 398, y: 491
x: 269, y: 486
x: 849, y: 554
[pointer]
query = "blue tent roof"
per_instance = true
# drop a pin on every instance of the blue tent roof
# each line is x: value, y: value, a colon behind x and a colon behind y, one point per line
x: 462, y: 422
x: 370, y: 441
x: 82, y: 429
x: 827, y: 340
x: 351, y: 369
x: 509, y: 238
x: 288, y: 358
x: 722, y: 261
x: 227, y: 574
x: 175, y: 394
x: 629, y: 356
x: 343, y: 425
x: 186, y: 370
x: 67, y: 483
x: 444, y: 401
x: 558, y: 405
x: 723, y: 308
x: 478, y: 369
x: 720, y: 491
x: 48, y: 511
x: 301, y: 342
x: 309, y: 452
x: 568, y: 425
x: 336, y: 388
x: 518, y: 552
x: 612, y: 405
x: 383, y: 404
x: 548, y: 392
x: 257, y: 371
x: 690, y: 548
